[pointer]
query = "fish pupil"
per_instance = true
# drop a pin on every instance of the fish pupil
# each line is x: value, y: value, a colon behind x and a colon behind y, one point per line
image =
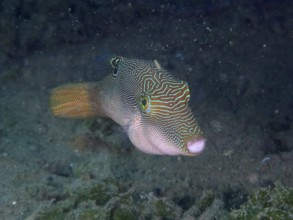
x: 144, y: 102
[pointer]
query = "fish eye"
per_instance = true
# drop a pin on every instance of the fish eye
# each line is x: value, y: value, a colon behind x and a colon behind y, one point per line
x: 145, y: 103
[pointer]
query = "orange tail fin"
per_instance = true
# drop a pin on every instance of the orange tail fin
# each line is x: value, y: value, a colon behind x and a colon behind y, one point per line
x: 76, y: 101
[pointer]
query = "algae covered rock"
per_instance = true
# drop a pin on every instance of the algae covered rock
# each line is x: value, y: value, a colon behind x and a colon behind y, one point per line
x: 122, y: 214
x: 267, y: 203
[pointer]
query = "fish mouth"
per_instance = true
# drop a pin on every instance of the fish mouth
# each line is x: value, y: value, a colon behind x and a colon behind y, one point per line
x: 195, y: 145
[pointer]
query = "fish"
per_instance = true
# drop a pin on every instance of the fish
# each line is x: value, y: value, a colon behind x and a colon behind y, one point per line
x: 146, y: 100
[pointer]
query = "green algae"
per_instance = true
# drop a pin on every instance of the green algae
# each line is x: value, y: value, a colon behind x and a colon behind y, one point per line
x: 90, y: 214
x: 95, y: 197
x: 122, y: 214
x: 104, y: 200
x: 57, y: 212
x: 206, y: 200
x: 97, y: 193
x: 110, y: 200
x: 54, y: 214
x: 164, y: 210
x: 267, y: 203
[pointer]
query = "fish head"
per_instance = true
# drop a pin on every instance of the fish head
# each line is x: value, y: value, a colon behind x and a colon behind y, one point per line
x: 163, y: 122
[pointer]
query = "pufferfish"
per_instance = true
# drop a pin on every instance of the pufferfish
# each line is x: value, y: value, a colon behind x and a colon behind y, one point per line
x: 147, y: 101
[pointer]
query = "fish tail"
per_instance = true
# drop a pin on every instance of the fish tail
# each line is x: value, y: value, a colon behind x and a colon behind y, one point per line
x: 78, y: 100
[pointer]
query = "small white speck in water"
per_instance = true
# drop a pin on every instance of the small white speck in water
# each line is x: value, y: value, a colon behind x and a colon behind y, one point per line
x: 265, y: 160
x: 209, y: 29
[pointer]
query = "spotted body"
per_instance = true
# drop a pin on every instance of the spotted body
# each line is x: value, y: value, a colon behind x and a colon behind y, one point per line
x: 146, y: 100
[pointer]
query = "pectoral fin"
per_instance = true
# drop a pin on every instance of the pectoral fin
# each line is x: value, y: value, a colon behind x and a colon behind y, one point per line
x: 76, y: 101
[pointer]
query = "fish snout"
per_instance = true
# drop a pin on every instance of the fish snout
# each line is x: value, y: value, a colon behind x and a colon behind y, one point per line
x: 195, y: 145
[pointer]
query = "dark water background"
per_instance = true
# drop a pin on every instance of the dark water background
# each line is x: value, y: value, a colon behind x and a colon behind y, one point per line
x: 237, y: 59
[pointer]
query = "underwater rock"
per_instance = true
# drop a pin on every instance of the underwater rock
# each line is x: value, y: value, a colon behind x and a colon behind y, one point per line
x: 267, y: 203
x: 214, y: 211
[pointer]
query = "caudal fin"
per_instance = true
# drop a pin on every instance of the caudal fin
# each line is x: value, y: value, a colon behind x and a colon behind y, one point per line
x: 76, y: 101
